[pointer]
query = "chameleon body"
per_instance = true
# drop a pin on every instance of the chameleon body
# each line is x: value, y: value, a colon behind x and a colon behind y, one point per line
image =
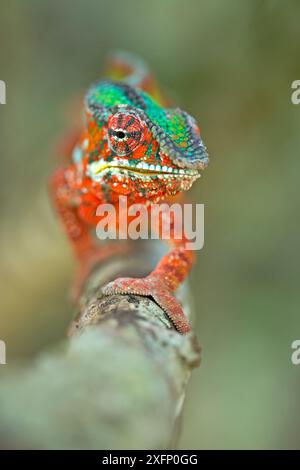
x: 132, y: 144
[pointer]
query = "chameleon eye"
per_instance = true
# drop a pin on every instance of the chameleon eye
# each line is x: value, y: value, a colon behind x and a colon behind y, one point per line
x: 125, y: 132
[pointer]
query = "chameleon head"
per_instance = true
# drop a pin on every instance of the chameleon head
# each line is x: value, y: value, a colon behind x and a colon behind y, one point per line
x: 134, y: 146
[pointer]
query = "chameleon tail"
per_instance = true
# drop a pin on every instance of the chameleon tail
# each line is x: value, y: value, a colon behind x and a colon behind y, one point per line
x: 131, y: 69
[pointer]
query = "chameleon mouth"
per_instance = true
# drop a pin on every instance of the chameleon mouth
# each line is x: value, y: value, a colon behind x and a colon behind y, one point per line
x: 95, y: 169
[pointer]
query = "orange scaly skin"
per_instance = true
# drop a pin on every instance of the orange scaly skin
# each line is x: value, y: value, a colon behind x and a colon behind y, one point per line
x: 134, y: 147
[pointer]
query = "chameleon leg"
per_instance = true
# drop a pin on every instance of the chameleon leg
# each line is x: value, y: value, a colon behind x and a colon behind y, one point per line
x: 87, y: 251
x: 99, y: 255
x: 65, y: 203
x: 160, y: 285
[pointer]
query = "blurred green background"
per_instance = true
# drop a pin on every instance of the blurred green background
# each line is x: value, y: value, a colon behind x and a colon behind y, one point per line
x: 231, y: 64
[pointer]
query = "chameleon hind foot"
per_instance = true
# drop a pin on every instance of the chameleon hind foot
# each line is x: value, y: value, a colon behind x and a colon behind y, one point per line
x: 90, y: 261
x: 152, y: 286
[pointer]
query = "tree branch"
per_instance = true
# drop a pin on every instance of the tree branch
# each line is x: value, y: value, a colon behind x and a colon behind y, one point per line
x: 119, y: 382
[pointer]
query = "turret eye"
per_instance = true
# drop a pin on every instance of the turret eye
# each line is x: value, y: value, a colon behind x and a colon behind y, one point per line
x: 125, y: 132
x: 120, y: 134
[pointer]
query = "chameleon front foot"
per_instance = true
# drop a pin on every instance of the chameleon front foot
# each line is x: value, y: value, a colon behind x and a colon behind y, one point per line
x: 154, y: 287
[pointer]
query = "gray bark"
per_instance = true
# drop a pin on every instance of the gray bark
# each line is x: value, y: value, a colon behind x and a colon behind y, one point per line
x: 118, y: 382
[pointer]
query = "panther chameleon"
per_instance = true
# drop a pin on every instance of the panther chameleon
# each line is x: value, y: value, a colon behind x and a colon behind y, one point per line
x: 133, y: 144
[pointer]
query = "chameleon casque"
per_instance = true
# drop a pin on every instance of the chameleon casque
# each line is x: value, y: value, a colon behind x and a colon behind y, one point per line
x: 132, y: 144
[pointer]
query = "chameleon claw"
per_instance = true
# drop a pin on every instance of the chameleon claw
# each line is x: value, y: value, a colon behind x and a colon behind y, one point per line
x: 153, y: 287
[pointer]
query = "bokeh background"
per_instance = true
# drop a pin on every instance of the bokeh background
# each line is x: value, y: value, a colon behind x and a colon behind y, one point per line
x: 231, y: 64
